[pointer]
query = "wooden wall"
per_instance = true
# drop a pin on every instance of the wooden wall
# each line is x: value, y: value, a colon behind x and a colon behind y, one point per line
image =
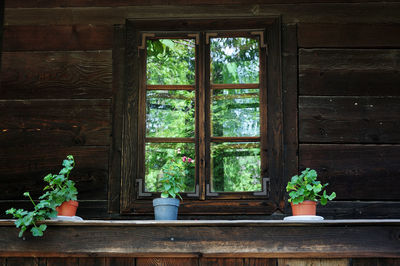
x: 56, y: 94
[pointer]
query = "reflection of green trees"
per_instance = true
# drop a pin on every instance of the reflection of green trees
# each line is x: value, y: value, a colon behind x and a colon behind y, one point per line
x: 236, y: 167
x: 234, y: 112
x: 160, y: 154
x: 234, y: 60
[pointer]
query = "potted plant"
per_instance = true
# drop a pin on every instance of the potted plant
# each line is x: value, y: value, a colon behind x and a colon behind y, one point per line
x: 171, y: 183
x: 60, y: 192
x: 305, y: 191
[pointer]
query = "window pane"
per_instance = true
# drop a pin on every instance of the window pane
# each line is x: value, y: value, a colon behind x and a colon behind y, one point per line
x: 235, y: 113
x: 170, y: 113
x: 234, y: 60
x: 235, y: 167
x: 171, y: 62
x: 159, y: 154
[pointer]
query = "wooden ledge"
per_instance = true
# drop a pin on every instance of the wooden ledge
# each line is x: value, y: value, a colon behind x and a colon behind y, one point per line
x: 216, y: 238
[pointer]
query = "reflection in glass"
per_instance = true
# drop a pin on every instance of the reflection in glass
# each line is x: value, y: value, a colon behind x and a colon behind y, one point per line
x: 171, y: 62
x: 235, y: 113
x: 158, y: 154
x: 234, y: 60
x: 235, y: 167
x: 170, y: 113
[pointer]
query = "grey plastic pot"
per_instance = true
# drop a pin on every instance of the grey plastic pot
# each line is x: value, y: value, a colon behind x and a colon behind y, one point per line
x: 166, y: 208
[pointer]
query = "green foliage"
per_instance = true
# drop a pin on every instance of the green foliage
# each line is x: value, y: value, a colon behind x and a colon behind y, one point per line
x: 306, y: 187
x: 174, y: 172
x: 58, y: 190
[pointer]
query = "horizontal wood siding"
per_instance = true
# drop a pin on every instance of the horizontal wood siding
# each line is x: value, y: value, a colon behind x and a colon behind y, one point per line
x: 56, y: 75
x: 349, y: 119
x: 355, y: 172
x: 357, y: 72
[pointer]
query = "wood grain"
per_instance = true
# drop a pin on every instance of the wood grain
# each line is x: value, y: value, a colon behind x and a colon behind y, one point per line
x: 367, y: 72
x: 57, y: 38
x: 319, y: 262
x: 54, y: 122
x: 222, y: 241
x: 355, y: 172
x: 46, y: 75
x: 348, y: 35
x: 62, y: 261
x: 349, y: 119
x: 22, y: 169
x: 166, y: 261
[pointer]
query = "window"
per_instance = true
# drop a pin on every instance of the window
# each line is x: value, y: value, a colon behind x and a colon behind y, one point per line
x: 198, y: 89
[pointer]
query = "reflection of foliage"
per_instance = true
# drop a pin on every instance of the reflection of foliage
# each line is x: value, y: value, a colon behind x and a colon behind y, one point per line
x: 235, y: 113
x: 170, y: 113
x: 234, y: 60
x: 159, y: 157
x: 236, y: 167
x: 170, y: 61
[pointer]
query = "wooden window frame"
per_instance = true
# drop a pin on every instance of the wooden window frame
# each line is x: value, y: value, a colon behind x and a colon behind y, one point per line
x: 132, y: 99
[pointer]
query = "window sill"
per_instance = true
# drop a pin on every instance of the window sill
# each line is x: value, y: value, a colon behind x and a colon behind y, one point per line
x: 216, y: 238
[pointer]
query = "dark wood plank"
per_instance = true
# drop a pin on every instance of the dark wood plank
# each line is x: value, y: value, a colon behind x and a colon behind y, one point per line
x: 325, y: 240
x: 319, y: 262
x: 54, y: 122
x: 260, y: 262
x: 365, y: 72
x: 22, y: 261
x: 62, y: 261
x: 55, y: 38
x: 120, y: 261
x: 349, y: 119
x: 221, y: 262
x: 274, y: 137
x: 375, y: 262
x: 166, y: 261
x: 117, y: 119
x: 349, y: 35
x: 23, y: 169
x: 100, y: 261
x: 290, y: 97
x: 355, y: 172
x: 105, y: 3
x: 291, y: 13
x: 44, y: 75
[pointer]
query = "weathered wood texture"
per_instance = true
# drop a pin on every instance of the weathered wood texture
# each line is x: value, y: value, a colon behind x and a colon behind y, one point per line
x: 367, y: 72
x: 53, y: 38
x: 235, y: 240
x: 348, y: 35
x: 356, y: 172
x: 100, y: 3
x: 349, y: 119
x: 292, y: 13
x: 59, y: 75
x: 22, y: 169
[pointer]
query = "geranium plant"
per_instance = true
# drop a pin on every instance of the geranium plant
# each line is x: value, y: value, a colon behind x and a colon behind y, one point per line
x: 306, y: 187
x: 173, y: 176
x: 59, y: 189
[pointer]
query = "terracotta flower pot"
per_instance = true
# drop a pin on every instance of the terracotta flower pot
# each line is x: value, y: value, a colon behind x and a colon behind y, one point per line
x: 68, y: 208
x: 306, y: 207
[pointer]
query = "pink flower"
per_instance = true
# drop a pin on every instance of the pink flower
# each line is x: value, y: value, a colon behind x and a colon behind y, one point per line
x: 184, y: 158
x: 189, y: 160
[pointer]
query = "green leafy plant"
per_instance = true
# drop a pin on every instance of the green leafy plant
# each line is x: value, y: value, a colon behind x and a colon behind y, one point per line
x: 174, y: 172
x: 306, y: 187
x: 58, y: 190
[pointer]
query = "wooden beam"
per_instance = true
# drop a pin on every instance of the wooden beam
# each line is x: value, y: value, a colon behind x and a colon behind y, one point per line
x: 233, y: 239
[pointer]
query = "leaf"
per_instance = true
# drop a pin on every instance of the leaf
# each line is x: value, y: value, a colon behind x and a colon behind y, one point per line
x: 36, y: 231
x: 164, y: 195
x: 26, y: 194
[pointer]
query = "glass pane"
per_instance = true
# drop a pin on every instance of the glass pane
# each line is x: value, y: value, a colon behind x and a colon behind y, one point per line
x: 234, y: 60
x: 171, y: 62
x: 170, y: 113
x: 159, y: 154
x: 235, y: 167
x: 235, y: 113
